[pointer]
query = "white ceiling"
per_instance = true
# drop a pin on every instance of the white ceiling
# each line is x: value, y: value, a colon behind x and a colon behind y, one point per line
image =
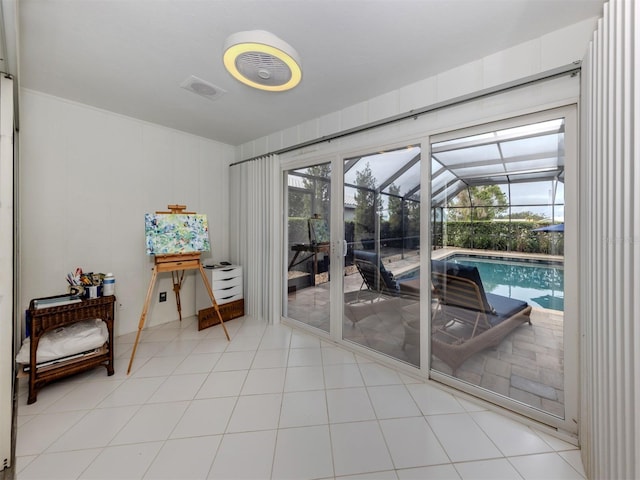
x: 130, y: 56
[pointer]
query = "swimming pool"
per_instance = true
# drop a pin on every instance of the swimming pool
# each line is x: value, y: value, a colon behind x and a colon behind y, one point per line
x: 540, y: 283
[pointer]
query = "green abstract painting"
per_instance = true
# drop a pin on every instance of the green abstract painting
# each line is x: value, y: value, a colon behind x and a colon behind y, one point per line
x: 318, y: 230
x: 176, y: 233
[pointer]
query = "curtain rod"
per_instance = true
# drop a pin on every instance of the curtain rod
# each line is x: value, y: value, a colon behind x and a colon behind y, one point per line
x: 569, y: 69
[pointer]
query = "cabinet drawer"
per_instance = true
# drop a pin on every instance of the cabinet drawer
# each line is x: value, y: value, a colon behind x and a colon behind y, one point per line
x: 226, y: 283
x: 227, y: 296
x: 226, y: 272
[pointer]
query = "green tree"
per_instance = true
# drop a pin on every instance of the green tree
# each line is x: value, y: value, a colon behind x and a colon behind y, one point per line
x: 530, y: 216
x: 412, y: 224
x: 397, y: 214
x: 368, y: 204
x: 297, y: 203
x: 488, y: 202
x: 318, y: 183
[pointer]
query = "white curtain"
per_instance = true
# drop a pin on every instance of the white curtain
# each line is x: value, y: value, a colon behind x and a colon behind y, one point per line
x: 255, y: 238
x: 610, y: 246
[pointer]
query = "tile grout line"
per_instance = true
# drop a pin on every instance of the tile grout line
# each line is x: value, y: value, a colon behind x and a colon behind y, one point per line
x: 326, y: 406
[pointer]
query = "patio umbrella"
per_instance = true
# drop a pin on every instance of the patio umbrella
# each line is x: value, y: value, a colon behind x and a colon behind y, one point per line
x: 550, y: 228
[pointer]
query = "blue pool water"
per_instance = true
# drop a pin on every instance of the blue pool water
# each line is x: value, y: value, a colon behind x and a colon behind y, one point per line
x: 540, y: 283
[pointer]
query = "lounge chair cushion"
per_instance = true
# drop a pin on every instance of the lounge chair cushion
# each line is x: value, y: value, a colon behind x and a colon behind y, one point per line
x: 504, y: 307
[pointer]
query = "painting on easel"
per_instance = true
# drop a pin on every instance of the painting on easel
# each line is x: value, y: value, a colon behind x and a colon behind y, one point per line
x: 176, y: 233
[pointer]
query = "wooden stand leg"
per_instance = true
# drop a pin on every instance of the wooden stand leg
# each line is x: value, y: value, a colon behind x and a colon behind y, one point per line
x: 177, y: 278
x: 174, y: 263
x: 147, y: 301
x: 213, y: 300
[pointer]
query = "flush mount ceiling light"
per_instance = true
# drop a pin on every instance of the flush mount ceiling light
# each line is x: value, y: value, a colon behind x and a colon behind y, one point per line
x: 261, y: 60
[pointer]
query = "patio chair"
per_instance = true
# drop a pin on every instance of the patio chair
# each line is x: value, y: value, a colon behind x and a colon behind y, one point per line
x: 466, y: 319
x: 374, y: 275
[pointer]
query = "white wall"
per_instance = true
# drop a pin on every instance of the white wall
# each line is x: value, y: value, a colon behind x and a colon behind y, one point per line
x: 87, y: 177
x: 545, y: 53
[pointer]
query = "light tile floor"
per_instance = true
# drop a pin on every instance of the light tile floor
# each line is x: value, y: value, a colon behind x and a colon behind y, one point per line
x: 272, y: 403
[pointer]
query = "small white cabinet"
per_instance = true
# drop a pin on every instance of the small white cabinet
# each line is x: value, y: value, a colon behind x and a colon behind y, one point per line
x: 226, y: 284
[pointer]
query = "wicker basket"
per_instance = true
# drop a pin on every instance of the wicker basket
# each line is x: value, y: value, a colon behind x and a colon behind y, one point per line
x: 207, y: 317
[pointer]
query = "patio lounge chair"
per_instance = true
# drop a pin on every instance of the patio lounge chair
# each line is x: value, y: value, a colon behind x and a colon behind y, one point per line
x: 467, y: 320
x: 374, y: 275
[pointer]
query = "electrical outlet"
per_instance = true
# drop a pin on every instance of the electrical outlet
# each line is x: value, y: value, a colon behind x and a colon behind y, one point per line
x: 163, y: 296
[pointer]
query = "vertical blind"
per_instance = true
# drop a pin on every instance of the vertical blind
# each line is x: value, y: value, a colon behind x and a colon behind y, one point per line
x: 610, y: 246
x: 7, y: 341
x: 255, y: 192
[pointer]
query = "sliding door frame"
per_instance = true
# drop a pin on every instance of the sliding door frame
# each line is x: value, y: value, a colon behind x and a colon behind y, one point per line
x: 285, y: 167
x: 335, y: 334
x: 422, y: 131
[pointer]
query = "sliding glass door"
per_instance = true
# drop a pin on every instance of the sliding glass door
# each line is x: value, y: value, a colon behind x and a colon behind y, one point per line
x: 377, y: 262
x: 381, y: 214
x: 308, y: 199
x: 503, y: 322
x: 496, y: 293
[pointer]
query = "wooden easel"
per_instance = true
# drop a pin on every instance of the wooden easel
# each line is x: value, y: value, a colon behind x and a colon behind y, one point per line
x: 177, y: 264
x: 177, y: 276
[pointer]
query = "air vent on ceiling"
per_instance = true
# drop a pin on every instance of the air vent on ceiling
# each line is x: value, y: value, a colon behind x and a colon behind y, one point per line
x: 202, y: 88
